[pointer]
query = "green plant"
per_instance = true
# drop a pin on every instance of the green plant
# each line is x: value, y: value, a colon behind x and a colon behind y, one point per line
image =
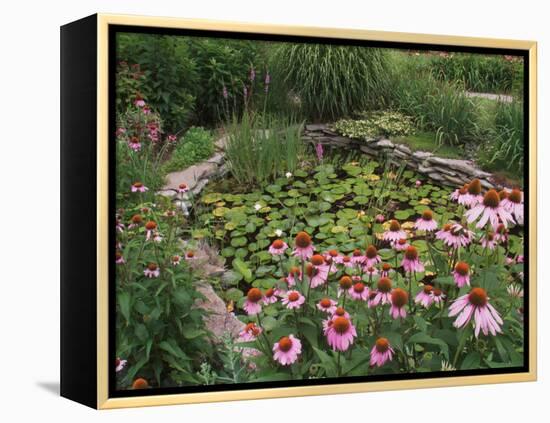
x: 261, y: 148
x: 197, y: 144
x: 171, y: 73
x: 386, y: 123
x: 332, y: 81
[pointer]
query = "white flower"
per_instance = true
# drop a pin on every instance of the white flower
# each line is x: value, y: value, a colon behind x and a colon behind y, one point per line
x: 278, y: 232
x: 257, y: 206
x: 288, y: 175
x: 446, y: 366
x: 515, y: 291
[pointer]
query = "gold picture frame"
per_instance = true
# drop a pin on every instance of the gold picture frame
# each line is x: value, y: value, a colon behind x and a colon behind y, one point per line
x: 103, y: 22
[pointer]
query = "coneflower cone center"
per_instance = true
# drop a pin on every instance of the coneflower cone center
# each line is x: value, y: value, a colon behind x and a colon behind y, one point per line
x: 372, y: 252
x: 474, y: 187
x: 462, y: 268
x: 137, y: 218
x: 386, y: 267
x: 152, y: 266
x: 384, y: 285
x: 333, y: 253
x: 427, y: 215
x: 311, y: 270
x: 427, y: 289
x: 491, y: 199
x: 285, y: 344
x: 254, y: 295
x: 356, y: 252
x: 399, y: 297
x: 382, y: 345
x: 317, y: 260
x: 293, y: 296
x: 359, y: 287
x: 345, y: 282
x: 340, y: 311
x: 278, y: 244
x: 269, y: 292
x: 411, y: 253
x: 150, y: 225
x: 326, y: 303
x: 437, y: 292
x: 515, y: 196
x: 478, y: 297
x: 138, y: 184
x: 341, y: 325
x: 303, y: 240
x: 394, y: 226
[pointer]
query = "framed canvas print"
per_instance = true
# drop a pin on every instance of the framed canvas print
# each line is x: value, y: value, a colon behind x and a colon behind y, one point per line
x: 255, y: 211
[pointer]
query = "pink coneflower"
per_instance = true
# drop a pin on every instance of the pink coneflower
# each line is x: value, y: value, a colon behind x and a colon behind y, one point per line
x: 345, y: 284
x: 443, y: 232
x: 277, y: 247
x: 490, y: 210
x: 401, y: 244
x: 139, y: 101
x: 346, y: 261
x: 394, y: 233
x: 250, y: 332
x: 293, y: 299
x: 520, y: 259
x: 426, y: 222
x: 372, y: 296
x: 327, y: 305
x: 303, y: 247
x: 134, y: 144
x: 438, y: 296
x: 294, y: 274
x: 252, y: 304
x: 146, y: 111
x: 359, y: 291
x: 399, y: 298
x: 120, y: 131
x: 513, y: 203
x: 357, y: 257
x: 381, y: 352
x: 488, y: 241
x: 370, y: 271
x: 172, y: 138
x: 269, y: 297
x: 319, y: 151
x: 502, y: 234
x: 317, y: 271
x: 287, y: 350
x: 386, y: 269
x: 135, y: 221
x: 515, y: 291
x: 474, y: 196
x: 183, y: 188
x: 340, y: 333
x: 190, y: 255
x: 176, y: 260
x: 411, y: 262
x: 424, y: 297
x: 120, y: 364
x: 150, y: 227
x: 460, y: 195
x: 383, y: 292
x: 418, y: 183
x: 152, y: 271
x: 119, y: 225
x: 458, y: 236
x: 119, y: 258
x: 371, y: 256
x: 461, y: 274
x: 139, y: 187
x: 476, y: 305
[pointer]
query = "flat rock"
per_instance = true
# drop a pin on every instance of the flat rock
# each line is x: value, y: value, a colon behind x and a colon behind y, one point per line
x: 425, y: 169
x: 403, y: 148
x: 463, y: 166
x: 216, y: 159
x: 368, y: 150
x: 400, y: 154
x: 421, y: 155
x: 384, y: 143
x: 190, y: 176
x: 316, y: 127
x: 453, y: 180
x: 218, y: 320
x: 221, y: 143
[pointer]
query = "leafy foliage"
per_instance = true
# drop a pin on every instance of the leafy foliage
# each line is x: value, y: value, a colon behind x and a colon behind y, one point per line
x: 386, y: 123
x: 195, y: 146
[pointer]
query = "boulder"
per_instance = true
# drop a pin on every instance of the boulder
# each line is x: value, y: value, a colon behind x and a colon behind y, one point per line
x: 316, y: 127
x: 384, y: 143
x: 421, y: 155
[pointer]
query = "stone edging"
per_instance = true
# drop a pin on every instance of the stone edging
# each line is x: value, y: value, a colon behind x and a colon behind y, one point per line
x: 452, y: 172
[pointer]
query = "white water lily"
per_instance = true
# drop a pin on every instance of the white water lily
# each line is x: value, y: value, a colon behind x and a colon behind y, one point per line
x: 288, y: 175
x: 257, y: 206
x: 278, y: 232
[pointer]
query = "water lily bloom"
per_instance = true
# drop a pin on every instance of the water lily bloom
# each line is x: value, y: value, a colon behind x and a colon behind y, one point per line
x: 327, y: 305
x: 152, y: 271
x: 288, y: 175
x: 425, y: 297
x: 293, y: 299
x: 426, y: 222
x: 150, y: 226
x: 394, y: 232
x: 514, y: 204
x: 134, y: 144
x: 249, y: 333
x: 488, y: 241
x: 252, y: 304
x: 371, y: 256
x: 461, y: 274
x: 303, y: 247
x: 287, y: 350
x: 176, y: 260
x: 183, y: 188
x: 340, y: 333
x: 438, y: 296
x: 120, y: 364
x: 476, y: 305
x: 294, y: 274
x: 411, y: 262
x: 386, y: 269
x: 357, y: 257
x: 381, y: 352
x: 401, y: 244
x: 278, y: 247
x: 359, y: 291
x: 270, y: 297
x: 257, y: 206
x: 140, y: 383
x: 490, y: 210
x: 278, y: 232
x: 139, y: 187
x: 399, y: 298
x: 383, y: 292
x: 119, y: 258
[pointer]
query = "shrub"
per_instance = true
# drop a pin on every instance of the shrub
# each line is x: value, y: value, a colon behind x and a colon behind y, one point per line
x: 333, y: 81
x: 195, y: 146
x: 386, y: 123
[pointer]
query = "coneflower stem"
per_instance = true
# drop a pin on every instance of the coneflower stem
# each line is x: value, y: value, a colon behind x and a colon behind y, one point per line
x: 410, y: 291
x: 461, y: 344
x: 338, y: 363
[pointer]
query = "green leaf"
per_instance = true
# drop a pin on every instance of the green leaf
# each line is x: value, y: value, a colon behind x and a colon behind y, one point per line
x: 471, y: 361
x: 124, y: 301
x: 241, y: 267
x: 422, y: 338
